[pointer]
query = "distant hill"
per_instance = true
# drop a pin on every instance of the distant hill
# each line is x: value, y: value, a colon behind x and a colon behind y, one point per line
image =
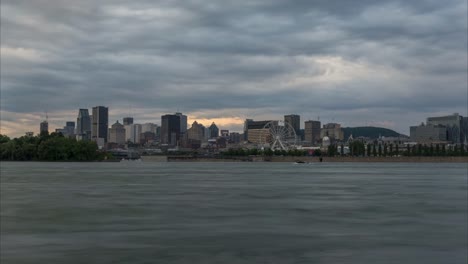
x: 370, y: 132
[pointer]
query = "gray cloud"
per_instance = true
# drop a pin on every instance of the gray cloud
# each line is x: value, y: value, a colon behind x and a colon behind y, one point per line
x: 358, y: 62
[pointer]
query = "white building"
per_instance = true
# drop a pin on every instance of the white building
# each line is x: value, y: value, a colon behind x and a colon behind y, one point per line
x: 132, y: 133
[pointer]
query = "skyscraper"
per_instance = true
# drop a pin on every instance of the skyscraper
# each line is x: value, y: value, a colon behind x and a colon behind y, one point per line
x: 246, y: 128
x: 117, y: 133
x: 312, y: 131
x: 132, y: 133
x: 214, y: 131
x: 100, y: 123
x: 127, y: 121
x: 170, y: 129
x: 294, y: 121
x: 44, y: 127
x: 183, y: 122
x: 83, y: 125
x: 455, y: 124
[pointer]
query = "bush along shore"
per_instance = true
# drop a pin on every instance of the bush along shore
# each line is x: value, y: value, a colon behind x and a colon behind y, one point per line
x: 45, y: 147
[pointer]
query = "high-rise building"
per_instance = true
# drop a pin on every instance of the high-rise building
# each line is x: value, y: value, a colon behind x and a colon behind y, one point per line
x: 127, y: 121
x: 149, y: 127
x: 312, y: 131
x: 214, y: 130
x: 333, y: 131
x: 256, y: 133
x: 455, y: 124
x: 44, y: 127
x: 83, y: 125
x: 294, y: 121
x: 170, y: 129
x: 117, y: 133
x: 183, y: 122
x: 246, y: 128
x: 196, y: 132
x: 100, y: 123
x: 70, y: 128
x: 132, y: 133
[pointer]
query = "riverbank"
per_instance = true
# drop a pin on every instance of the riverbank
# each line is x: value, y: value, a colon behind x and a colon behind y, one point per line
x: 306, y: 159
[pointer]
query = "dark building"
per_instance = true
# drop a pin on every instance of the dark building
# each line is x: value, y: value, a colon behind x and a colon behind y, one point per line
x: 225, y: 133
x: 170, y: 129
x: 183, y: 122
x: 234, y: 137
x: 214, y: 131
x: 100, y: 123
x: 294, y: 121
x: 70, y: 128
x: 44, y: 127
x: 257, y: 124
x: 312, y: 131
x: 147, y: 137
x: 246, y: 128
x: 83, y: 125
x: 127, y: 121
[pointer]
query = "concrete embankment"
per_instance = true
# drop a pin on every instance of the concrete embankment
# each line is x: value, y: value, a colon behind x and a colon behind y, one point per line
x: 304, y: 159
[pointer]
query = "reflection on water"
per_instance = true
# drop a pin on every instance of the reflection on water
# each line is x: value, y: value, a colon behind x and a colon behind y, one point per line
x: 233, y: 213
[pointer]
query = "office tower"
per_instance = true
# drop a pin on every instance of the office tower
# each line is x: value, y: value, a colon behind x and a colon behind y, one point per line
x: 256, y: 133
x: 132, y: 133
x: 214, y: 130
x: 117, y: 133
x: 246, y: 128
x: 455, y: 124
x: 83, y: 125
x: 170, y: 129
x: 70, y: 128
x: 183, y: 122
x: 333, y: 131
x: 294, y: 121
x: 149, y: 127
x: 127, y: 121
x: 44, y: 127
x: 196, y: 132
x: 312, y: 131
x: 100, y: 123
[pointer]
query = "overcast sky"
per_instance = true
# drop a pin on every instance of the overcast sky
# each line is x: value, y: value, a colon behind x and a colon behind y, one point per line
x: 385, y: 63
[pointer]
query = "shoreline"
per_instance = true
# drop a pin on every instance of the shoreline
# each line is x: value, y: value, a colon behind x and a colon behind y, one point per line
x: 312, y: 159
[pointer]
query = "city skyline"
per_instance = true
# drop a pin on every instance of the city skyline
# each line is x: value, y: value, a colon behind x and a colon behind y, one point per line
x: 387, y: 64
x: 238, y: 127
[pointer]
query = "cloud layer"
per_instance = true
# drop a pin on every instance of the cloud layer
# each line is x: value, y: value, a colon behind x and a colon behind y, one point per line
x: 389, y: 62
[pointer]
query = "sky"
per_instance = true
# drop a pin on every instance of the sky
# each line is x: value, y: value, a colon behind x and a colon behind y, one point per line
x: 386, y: 63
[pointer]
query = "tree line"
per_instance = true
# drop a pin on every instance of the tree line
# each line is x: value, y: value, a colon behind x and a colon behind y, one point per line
x: 45, y: 147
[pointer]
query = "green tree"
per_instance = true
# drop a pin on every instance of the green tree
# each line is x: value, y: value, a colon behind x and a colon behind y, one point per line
x: 385, y: 150
x: 374, y: 151
x: 368, y: 150
x: 380, y: 150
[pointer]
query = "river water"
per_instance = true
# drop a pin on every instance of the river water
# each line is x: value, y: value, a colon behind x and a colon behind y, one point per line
x: 138, y: 212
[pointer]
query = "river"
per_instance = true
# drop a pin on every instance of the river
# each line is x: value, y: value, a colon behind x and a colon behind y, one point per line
x: 137, y: 212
